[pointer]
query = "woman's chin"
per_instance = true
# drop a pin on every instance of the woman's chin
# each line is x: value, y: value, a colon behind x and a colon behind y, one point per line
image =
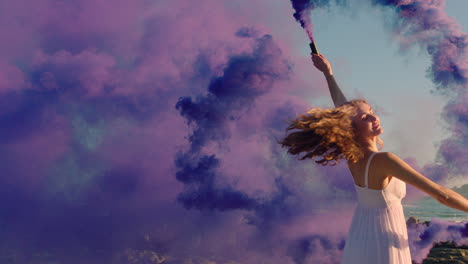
x: 378, y: 131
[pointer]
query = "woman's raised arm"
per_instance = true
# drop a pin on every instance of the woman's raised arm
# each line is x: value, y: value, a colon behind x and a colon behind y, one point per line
x: 322, y: 64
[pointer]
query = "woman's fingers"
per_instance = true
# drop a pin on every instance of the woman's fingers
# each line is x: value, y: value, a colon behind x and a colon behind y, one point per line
x: 320, y: 62
x: 317, y: 60
x: 318, y: 57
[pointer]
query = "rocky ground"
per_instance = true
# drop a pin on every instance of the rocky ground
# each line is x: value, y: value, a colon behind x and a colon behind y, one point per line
x: 443, y: 252
x: 447, y: 253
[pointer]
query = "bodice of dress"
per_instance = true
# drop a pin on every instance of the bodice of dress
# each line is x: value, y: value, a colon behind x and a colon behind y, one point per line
x: 392, y: 193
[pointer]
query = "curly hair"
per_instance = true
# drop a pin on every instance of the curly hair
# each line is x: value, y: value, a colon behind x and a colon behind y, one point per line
x: 326, y: 133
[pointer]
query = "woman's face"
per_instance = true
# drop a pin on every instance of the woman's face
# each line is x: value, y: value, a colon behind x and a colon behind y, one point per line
x: 366, y: 122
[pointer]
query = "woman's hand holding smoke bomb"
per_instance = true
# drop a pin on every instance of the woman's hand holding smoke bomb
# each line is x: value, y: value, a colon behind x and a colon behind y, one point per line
x: 322, y: 64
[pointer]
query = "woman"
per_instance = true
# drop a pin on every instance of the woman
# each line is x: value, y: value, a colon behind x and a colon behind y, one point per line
x: 350, y: 131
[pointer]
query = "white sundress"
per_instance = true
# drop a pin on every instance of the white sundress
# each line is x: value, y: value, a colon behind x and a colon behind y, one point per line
x: 378, y: 234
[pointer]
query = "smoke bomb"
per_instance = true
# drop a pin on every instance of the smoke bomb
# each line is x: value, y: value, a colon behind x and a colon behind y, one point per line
x: 313, y: 47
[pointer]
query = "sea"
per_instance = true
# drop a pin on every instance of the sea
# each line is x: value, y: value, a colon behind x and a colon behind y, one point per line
x: 428, y: 208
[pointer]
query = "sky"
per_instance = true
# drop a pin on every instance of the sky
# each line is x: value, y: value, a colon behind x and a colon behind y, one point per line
x: 134, y: 128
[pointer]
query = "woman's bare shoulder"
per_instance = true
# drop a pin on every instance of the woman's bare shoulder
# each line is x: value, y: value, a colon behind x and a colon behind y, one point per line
x: 396, y: 166
x: 382, y: 159
x: 388, y: 159
x: 386, y: 155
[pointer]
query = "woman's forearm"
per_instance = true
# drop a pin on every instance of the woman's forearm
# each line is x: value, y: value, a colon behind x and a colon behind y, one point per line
x: 323, y: 65
x: 335, y: 91
x: 454, y: 200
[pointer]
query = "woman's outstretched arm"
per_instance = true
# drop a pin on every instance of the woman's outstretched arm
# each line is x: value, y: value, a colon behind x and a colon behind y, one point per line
x: 322, y: 64
x: 400, y: 169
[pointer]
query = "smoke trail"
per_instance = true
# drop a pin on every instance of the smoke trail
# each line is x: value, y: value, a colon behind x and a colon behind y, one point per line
x: 302, y: 15
x: 303, y: 8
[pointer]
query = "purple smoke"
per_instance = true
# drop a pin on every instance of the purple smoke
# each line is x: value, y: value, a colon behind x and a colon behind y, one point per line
x: 303, y: 9
x: 246, y: 77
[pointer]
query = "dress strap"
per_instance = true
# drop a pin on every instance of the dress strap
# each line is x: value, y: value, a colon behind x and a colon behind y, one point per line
x: 367, y: 169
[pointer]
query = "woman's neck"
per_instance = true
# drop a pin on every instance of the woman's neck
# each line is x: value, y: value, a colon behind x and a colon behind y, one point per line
x: 369, y: 145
